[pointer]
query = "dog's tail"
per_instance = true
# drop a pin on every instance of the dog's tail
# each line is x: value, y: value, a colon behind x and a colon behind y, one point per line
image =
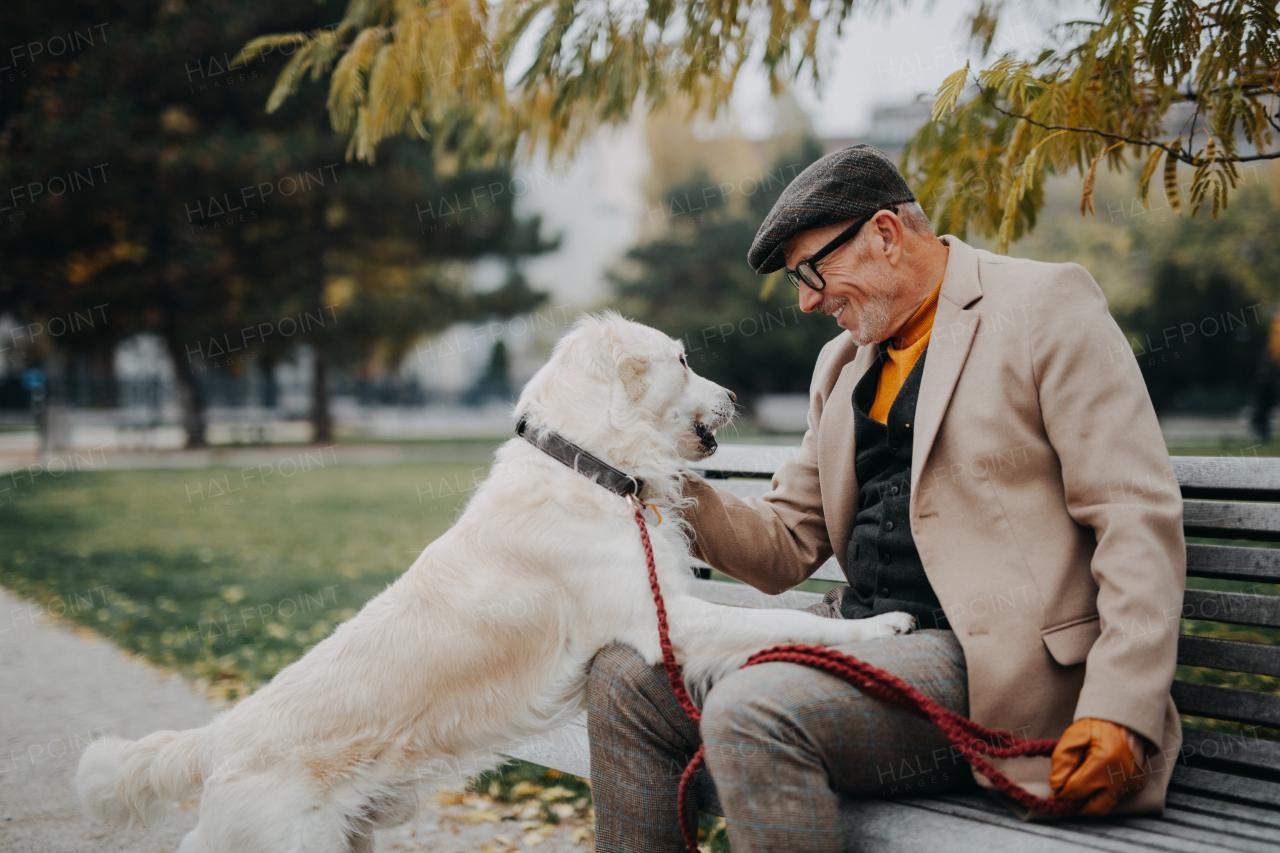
x: 133, y: 782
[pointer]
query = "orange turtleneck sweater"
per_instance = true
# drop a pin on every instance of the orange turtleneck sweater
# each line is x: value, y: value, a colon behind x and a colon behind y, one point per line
x: 903, y: 353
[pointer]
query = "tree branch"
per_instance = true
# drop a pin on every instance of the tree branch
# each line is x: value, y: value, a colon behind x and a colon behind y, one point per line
x: 1271, y: 120
x: 1176, y: 153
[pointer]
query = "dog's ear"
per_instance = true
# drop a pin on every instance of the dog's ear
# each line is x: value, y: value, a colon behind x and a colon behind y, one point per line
x: 633, y: 368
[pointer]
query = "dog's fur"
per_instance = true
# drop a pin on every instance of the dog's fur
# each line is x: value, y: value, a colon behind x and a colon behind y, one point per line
x: 487, y: 638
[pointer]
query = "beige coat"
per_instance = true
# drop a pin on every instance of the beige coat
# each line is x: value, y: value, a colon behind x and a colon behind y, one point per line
x: 1043, y: 505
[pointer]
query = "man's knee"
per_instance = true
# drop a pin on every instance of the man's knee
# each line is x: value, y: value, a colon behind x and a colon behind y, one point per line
x: 757, y: 708
x: 618, y: 665
x: 621, y: 684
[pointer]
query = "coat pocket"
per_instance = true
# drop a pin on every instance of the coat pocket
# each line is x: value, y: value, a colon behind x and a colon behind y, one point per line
x: 1069, y: 644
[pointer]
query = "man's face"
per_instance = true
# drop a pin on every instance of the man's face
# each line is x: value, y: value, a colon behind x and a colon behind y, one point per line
x: 861, y: 283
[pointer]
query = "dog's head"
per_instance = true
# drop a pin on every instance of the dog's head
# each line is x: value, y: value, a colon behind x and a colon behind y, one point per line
x: 612, y: 373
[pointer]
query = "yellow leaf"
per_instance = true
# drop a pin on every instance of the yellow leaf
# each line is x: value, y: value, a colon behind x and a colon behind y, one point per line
x: 287, y: 82
x: 1200, y: 183
x: 949, y: 92
x: 254, y: 49
x: 1144, y: 181
x: 1021, y: 183
x: 525, y: 789
x: 1171, y: 183
x: 1011, y: 153
x: 1086, y: 196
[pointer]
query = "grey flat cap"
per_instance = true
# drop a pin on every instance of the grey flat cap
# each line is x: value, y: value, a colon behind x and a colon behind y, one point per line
x: 846, y: 184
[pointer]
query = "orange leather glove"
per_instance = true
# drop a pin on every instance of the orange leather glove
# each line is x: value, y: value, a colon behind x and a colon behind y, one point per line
x: 1098, y: 762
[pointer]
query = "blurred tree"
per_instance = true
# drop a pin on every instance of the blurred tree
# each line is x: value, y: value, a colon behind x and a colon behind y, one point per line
x: 1100, y: 88
x: 203, y: 219
x: 1201, y: 333
x: 495, y: 384
x: 1199, y: 340
x: 390, y: 248
x: 693, y: 283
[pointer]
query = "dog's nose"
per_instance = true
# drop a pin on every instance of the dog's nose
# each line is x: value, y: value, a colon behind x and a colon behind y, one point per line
x: 733, y: 398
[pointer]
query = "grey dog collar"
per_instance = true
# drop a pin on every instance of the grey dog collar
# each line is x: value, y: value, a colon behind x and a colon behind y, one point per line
x: 563, y: 450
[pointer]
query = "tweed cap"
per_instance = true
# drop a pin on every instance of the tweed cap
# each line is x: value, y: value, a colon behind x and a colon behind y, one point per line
x: 846, y: 184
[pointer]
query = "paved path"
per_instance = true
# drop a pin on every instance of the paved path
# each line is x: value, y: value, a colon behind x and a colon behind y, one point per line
x: 61, y: 687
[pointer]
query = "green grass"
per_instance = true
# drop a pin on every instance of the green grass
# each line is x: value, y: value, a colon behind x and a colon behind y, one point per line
x: 221, y: 585
x: 1244, y: 448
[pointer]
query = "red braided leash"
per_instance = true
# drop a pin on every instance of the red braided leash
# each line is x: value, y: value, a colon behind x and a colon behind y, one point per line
x: 973, y: 741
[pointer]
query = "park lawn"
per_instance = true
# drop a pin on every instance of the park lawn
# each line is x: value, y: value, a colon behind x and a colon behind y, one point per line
x: 223, y: 580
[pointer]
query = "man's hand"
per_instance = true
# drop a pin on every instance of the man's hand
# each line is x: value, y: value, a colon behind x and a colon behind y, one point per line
x: 1098, y: 762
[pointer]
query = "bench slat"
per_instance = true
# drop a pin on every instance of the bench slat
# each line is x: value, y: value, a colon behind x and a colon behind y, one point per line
x: 1231, y: 833
x: 1227, y: 703
x: 741, y: 595
x: 1236, y: 608
x: 744, y: 488
x: 1215, y: 477
x: 1238, y: 754
x: 1242, y: 789
x: 1264, y: 821
x: 1234, y: 562
x: 564, y: 748
x: 745, y: 460
x: 829, y: 571
x: 970, y: 813
x: 1163, y: 835
x: 1232, y: 520
x: 874, y: 825
x: 1232, y: 655
x: 1228, y: 477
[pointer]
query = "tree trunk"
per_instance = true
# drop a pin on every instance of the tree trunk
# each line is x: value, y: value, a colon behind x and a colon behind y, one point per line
x: 321, y: 418
x: 191, y: 398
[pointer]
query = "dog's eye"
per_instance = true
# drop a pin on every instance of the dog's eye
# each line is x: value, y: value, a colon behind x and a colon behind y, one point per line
x: 683, y: 363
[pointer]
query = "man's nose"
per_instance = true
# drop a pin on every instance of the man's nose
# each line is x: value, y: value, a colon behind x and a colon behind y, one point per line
x: 810, y: 299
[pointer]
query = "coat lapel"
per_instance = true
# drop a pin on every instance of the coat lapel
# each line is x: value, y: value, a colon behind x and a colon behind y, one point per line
x: 954, y: 327
x: 836, y: 452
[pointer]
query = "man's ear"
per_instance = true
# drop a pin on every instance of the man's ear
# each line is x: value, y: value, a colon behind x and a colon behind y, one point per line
x: 891, y: 230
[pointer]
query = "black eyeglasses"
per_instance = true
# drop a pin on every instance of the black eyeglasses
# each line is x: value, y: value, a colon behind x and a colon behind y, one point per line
x: 807, y: 270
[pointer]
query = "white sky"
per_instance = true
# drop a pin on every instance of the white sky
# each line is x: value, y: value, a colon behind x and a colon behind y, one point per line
x: 891, y: 59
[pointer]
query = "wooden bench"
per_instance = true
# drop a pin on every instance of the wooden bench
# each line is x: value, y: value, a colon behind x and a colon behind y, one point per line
x: 1225, y: 790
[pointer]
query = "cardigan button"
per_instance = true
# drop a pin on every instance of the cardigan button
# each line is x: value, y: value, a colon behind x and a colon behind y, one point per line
x: 886, y: 559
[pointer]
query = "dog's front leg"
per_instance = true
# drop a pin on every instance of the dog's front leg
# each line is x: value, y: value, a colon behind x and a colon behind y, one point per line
x: 712, y: 640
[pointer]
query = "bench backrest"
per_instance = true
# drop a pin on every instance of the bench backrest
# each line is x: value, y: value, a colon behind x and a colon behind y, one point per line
x: 1233, y: 500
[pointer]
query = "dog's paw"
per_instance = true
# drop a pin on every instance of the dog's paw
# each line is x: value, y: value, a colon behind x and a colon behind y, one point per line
x: 892, y: 624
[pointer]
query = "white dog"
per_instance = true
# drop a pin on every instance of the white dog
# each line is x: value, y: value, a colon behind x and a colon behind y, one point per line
x: 486, y: 639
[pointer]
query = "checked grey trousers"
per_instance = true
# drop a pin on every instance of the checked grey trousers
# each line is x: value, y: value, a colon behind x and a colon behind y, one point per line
x: 783, y: 741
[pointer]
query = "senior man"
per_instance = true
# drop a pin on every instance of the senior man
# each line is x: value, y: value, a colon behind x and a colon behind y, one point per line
x: 982, y: 453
